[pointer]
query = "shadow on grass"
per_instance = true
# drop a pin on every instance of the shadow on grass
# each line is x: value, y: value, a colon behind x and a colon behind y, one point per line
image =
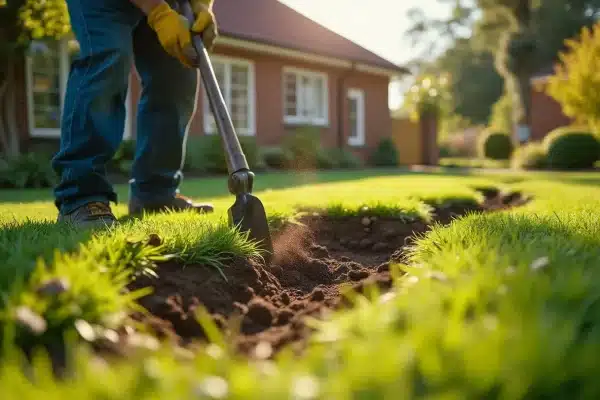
x: 591, y: 180
x: 216, y: 186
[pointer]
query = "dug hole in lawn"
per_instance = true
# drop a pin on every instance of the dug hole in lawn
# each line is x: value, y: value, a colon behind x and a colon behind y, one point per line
x: 316, y: 263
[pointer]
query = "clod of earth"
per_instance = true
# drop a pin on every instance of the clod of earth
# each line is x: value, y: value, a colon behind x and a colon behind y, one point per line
x: 314, y: 264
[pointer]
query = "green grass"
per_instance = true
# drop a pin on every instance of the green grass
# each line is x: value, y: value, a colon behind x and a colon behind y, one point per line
x: 492, y: 306
x: 97, y: 268
x: 458, y: 162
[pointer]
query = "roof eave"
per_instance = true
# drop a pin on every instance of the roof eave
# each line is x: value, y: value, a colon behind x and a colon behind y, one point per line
x: 263, y: 46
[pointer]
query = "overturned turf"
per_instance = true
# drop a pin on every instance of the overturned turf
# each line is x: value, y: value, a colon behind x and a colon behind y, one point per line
x: 315, y: 262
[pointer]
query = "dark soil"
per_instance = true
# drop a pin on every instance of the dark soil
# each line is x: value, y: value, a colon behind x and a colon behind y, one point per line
x: 314, y: 264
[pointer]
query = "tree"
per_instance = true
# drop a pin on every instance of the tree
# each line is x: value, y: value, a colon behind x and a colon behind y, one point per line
x: 475, y: 84
x: 516, y: 60
x: 558, y: 20
x: 515, y: 50
x: 576, y: 83
x: 523, y: 35
x: 22, y: 21
x: 501, y: 116
x: 427, y: 96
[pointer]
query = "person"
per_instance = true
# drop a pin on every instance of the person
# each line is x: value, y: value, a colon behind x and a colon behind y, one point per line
x: 114, y: 35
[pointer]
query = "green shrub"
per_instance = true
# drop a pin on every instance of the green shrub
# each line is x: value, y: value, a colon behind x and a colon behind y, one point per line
x: 530, y: 156
x: 342, y: 158
x: 385, y: 154
x: 126, y: 151
x: 123, y: 158
x: 347, y: 159
x: 494, y: 145
x: 444, y: 151
x: 571, y: 148
x: 327, y: 159
x: 43, y: 148
x: 194, y: 154
x: 303, y: 145
x: 276, y: 157
x: 29, y: 170
x: 206, y: 154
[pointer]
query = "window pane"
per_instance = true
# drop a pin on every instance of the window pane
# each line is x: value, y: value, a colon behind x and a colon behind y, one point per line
x: 319, y: 105
x: 234, y: 81
x: 219, y: 69
x: 239, y: 96
x: 239, y: 75
x: 353, y: 120
x: 291, y: 94
x: 310, y: 97
x: 46, y: 87
x: 306, y: 96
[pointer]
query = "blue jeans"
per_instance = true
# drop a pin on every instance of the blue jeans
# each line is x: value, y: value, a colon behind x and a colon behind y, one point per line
x: 113, y: 35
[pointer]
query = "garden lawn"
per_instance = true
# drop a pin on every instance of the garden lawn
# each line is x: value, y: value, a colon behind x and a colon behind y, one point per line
x: 501, y: 305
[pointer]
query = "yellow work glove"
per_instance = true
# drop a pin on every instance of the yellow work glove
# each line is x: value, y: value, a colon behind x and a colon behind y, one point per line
x: 205, y: 23
x: 173, y: 32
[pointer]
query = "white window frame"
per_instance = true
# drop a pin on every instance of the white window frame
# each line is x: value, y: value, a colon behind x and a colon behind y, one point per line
x: 226, y: 91
x: 359, y: 96
x: 296, y: 119
x: 64, y: 66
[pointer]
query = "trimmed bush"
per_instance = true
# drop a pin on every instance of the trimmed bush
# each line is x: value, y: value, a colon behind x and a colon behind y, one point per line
x: 29, y: 170
x: 347, y: 159
x: 385, y: 154
x: 303, y: 145
x: 276, y: 157
x: 571, y: 148
x: 531, y: 156
x: 327, y: 159
x: 494, y: 145
x: 205, y: 154
x: 444, y: 150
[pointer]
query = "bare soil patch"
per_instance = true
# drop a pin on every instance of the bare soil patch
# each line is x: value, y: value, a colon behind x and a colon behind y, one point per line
x: 264, y: 308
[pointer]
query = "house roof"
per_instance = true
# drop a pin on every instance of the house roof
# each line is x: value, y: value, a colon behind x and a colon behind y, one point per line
x: 274, y: 23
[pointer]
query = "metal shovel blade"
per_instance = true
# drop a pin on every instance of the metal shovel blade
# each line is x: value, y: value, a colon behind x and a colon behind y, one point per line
x: 248, y: 214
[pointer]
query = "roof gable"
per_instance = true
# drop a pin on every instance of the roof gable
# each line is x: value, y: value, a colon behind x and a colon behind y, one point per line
x: 272, y: 22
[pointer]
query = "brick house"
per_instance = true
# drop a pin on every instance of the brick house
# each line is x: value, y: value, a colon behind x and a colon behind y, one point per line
x: 277, y: 69
x: 546, y: 113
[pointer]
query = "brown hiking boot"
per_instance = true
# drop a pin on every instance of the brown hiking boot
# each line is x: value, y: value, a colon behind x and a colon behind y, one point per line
x: 95, y: 214
x: 177, y: 203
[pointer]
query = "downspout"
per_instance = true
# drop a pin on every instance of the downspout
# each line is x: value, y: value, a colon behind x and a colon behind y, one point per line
x: 341, y: 95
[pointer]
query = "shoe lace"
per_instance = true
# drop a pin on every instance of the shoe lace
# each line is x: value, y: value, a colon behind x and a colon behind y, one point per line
x: 98, y: 208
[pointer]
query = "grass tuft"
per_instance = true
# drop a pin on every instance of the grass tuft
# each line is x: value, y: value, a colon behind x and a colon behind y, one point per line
x: 405, y: 210
x: 89, y: 280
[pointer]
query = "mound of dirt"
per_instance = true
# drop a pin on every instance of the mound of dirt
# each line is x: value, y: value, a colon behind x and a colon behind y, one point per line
x: 263, y: 308
x: 257, y: 304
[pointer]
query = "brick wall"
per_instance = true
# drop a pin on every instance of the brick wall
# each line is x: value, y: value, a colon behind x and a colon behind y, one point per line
x: 546, y: 113
x: 269, y: 101
x: 270, y: 127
